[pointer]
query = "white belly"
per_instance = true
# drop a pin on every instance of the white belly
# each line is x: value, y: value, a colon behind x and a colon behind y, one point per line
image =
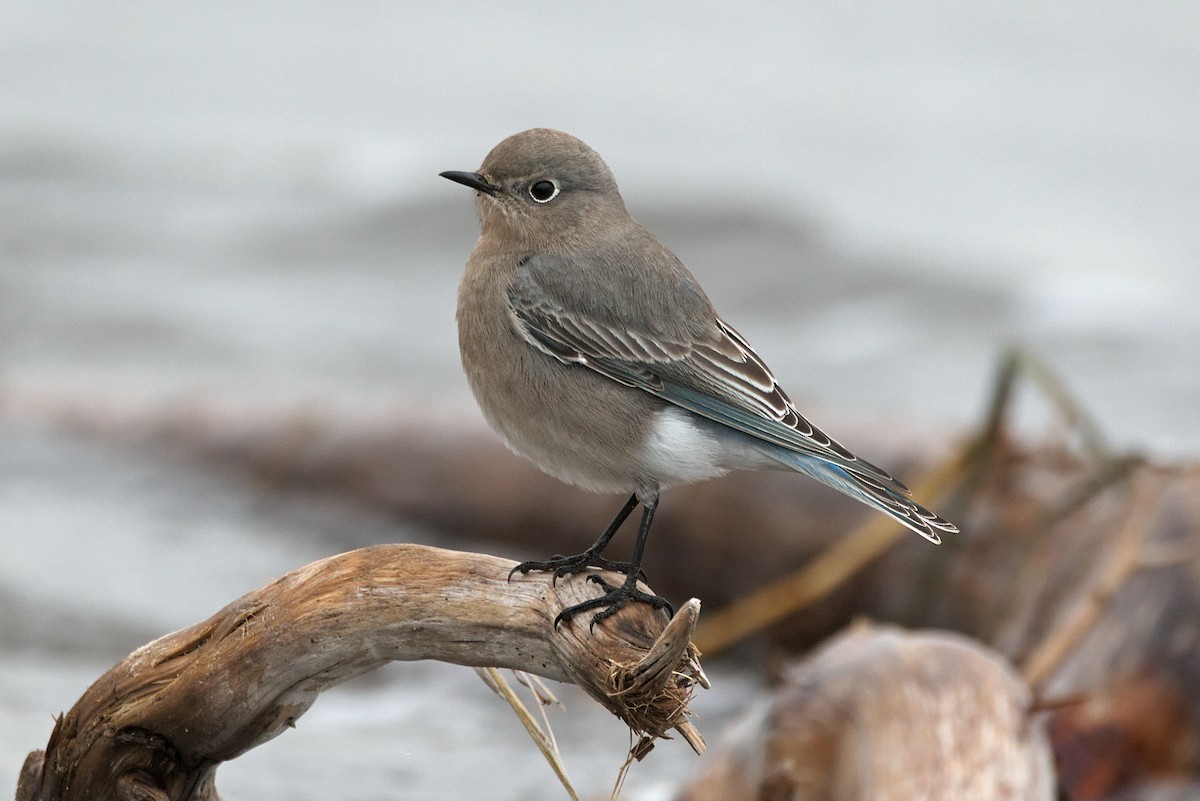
x: 681, y: 448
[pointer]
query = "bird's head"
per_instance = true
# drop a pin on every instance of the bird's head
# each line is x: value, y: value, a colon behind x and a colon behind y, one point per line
x: 543, y: 186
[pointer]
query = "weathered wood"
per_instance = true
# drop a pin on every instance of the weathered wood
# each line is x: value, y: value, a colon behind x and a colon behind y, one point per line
x: 1075, y: 562
x: 159, y: 722
x: 881, y: 714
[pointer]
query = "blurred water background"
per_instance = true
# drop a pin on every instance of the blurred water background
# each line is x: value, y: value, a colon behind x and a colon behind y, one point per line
x: 232, y: 201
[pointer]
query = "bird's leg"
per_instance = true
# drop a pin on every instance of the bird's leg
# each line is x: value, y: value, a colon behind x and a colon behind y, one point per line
x: 617, y: 596
x: 592, y: 557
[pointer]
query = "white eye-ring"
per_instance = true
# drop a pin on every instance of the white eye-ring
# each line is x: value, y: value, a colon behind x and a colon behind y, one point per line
x: 543, y: 191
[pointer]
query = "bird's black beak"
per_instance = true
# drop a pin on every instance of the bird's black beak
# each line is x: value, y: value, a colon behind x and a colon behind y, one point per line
x: 471, y: 179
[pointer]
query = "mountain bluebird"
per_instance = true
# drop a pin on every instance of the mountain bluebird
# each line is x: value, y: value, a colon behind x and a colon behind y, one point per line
x: 595, y: 354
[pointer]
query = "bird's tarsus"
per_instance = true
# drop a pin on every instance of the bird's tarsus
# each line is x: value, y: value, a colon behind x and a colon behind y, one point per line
x: 614, y: 596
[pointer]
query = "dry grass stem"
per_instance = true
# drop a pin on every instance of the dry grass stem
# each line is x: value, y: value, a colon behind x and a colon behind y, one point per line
x: 544, y: 742
x: 833, y: 566
x: 1123, y: 562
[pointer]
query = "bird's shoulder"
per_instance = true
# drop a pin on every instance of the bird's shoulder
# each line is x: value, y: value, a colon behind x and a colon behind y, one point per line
x: 623, y: 280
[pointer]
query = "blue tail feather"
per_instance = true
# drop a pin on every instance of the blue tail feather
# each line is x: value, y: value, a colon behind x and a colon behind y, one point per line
x: 874, y: 494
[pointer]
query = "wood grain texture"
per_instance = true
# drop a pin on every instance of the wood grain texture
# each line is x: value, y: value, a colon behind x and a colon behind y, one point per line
x: 884, y: 714
x: 159, y: 722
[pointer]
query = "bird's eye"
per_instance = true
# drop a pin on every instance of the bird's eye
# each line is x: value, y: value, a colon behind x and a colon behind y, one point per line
x: 543, y: 191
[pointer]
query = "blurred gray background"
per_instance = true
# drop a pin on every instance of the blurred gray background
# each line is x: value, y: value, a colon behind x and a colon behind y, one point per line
x: 239, y: 202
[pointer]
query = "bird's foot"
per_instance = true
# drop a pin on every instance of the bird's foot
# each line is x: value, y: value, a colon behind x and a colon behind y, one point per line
x: 614, y: 598
x: 561, y: 565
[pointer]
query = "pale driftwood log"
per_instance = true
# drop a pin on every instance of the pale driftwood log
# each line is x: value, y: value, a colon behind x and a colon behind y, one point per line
x: 882, y: 714
x: 156, y: 726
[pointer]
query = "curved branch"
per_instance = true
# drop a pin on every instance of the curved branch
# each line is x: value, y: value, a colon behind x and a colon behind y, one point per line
x: 158, y: 723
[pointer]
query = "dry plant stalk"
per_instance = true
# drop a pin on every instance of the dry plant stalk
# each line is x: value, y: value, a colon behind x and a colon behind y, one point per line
x: 839, y: 562
x: 543, y: 739
x: 157, y: 724
x: 829, y: 570
x: 1128, y: 545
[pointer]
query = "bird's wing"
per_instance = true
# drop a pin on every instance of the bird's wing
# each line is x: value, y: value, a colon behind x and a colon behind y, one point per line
x: 710, y: 370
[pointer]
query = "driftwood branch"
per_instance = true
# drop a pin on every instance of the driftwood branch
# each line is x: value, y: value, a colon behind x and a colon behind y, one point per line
x: 159, y: 722
x: 885, y: 714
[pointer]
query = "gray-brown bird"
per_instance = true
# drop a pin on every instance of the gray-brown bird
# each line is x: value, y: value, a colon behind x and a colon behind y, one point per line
x: 595, y: 354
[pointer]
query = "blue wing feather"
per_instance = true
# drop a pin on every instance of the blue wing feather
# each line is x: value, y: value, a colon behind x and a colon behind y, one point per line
x: 717, y: 376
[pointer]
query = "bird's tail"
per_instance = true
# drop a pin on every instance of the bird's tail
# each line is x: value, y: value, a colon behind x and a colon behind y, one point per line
x: 892, y: 499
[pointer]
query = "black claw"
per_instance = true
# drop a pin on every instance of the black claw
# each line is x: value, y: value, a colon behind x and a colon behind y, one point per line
x: 600, y: 580
x: 613, y: 599
x: 566, y: 565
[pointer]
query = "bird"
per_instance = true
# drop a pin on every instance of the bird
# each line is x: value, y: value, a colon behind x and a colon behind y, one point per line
x: 594, y: 353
